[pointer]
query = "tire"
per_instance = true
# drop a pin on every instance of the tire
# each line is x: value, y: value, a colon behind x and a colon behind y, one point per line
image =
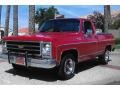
x: 67, y: 67
x: 105, y: 57
x: 17, y: 67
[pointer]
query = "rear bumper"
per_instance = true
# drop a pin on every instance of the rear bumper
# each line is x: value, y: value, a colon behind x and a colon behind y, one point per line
x: 31, y: 62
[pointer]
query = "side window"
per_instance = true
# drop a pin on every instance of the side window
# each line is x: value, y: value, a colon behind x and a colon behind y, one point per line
x: 87, y: 27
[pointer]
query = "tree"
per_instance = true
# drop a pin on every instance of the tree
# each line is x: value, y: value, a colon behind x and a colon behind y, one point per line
x: 15, y: 20
x: 116, y: 24
x: 43, y: 14
x: 31, y: 19
x: 98, y: 19
x: 7, y: 20
x: 107, y: 17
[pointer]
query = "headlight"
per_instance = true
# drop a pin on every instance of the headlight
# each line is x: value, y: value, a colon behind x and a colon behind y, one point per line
x: 4, y: 44
x: 4, y: 47
x: 46, y: 49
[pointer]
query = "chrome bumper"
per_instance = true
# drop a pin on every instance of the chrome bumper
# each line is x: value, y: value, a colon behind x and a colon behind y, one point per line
x: 44, y: 63
x: 31, y: 62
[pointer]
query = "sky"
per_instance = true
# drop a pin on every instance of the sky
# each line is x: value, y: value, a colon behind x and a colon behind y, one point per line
x: 69, y: 11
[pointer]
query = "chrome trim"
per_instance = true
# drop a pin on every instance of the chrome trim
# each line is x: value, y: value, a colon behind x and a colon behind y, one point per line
x: 24, y: 45
x: 83, y: 42
x: 45, y: 63
x: 50, y: 56
x: 20, y: 53
x: 92, y: 53
x: 75, y: 43
x: 21, y: 41
x: 68, y: 50
x: 23, y: 49
x: 41, y: 47
x: 39, y: 63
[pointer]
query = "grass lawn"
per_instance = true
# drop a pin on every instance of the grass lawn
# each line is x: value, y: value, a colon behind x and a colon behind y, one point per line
x: 117, y: 46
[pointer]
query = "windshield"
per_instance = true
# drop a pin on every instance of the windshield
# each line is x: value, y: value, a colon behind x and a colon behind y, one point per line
x: 60, y: 25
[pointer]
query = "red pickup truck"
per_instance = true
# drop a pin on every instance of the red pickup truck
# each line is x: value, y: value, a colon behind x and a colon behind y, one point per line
x: 60, y: 43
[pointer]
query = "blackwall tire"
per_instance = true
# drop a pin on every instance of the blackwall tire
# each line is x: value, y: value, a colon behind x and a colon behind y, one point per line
x: 67, y: 67
x: 105, y: 57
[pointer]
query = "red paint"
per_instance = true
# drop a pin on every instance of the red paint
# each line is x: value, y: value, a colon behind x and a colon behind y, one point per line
x: 87, y: 47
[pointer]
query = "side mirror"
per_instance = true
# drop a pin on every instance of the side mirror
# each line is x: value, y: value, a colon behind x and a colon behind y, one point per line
x: 98, y: 31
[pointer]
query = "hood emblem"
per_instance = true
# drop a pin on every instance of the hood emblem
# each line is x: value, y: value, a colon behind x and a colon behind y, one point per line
x: 20, y: 46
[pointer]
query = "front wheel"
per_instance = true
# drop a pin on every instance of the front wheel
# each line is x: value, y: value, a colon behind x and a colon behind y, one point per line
x: 67, y: 67
x: 104, y: 58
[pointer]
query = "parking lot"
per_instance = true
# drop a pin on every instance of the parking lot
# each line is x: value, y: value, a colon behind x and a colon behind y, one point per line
x: 90, y: 72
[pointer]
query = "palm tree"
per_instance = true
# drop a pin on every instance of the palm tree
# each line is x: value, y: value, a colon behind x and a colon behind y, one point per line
x: 0, y: 14
x: 107, y: 17
x: 31, y: 19
x: 15, y: 20
x: 7, y: 20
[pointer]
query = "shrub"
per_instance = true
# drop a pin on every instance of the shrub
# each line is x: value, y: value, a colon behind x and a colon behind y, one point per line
x: 118, y: 40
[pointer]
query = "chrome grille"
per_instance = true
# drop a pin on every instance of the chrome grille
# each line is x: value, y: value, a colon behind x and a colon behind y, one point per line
x: 32, y: 48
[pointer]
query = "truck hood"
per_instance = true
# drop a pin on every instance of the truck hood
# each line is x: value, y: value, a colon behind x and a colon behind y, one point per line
x: 46, y: 36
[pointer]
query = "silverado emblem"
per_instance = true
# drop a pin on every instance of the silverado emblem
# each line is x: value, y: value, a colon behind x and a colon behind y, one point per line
x: 20, y: 46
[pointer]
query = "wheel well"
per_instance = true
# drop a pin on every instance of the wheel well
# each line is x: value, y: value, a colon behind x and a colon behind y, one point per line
x: 72, y: 51
x: 109, y: 47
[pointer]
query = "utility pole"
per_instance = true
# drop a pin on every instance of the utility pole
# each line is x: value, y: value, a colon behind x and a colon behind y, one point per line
x: 7, y: 20
x: 107, y: 17
x: 15, y: 20
x: 31, y: 19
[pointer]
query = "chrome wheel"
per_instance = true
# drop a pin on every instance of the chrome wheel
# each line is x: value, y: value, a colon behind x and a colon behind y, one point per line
x: 69, y: 66
x: 107, y: 56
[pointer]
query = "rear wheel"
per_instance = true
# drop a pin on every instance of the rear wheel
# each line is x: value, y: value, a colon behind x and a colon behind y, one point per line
x: 67, y: 67
x: 104, y: 58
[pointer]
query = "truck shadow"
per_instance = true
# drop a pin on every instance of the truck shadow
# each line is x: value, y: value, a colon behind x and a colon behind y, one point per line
x: 50, y: 75
x: 87, y: 65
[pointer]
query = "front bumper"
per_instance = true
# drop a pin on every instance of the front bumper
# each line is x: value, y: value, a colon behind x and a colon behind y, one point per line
x: 31, y: 62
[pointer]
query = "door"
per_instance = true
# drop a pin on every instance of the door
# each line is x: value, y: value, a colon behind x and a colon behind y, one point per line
x: 90, y: 40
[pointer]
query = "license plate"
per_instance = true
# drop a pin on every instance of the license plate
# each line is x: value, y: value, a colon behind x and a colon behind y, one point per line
x: 20, y: 60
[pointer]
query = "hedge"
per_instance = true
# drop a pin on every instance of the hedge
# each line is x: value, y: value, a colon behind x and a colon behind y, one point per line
x: 117, y: 40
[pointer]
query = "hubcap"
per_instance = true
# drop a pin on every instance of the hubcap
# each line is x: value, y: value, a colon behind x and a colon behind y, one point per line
x: 107, y: 56
x: 69, y: 66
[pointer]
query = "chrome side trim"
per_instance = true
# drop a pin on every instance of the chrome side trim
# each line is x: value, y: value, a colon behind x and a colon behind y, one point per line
x: 92, y: 53
x: 76, y: 43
